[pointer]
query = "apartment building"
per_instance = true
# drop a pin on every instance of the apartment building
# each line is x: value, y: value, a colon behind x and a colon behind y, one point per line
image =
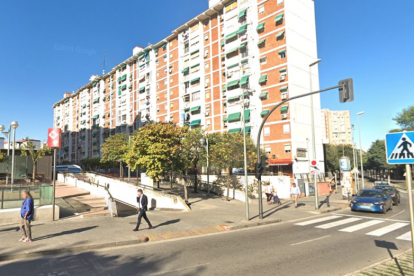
x: 245, y: 50
x: 338, y: 128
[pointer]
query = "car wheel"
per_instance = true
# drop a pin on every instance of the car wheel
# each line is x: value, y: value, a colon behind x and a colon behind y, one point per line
x: 396, y: 202
x: 385, y: 210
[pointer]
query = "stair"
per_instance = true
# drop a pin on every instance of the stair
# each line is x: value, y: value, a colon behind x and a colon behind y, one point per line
x: 89, y: 205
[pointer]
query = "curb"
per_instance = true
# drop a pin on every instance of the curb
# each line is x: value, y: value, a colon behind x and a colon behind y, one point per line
x: 249, y: 225
x: 75, y: 249
x: 337, y: 208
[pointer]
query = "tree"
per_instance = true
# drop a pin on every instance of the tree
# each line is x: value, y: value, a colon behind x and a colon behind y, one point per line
x: 334, y: 153
x: 114, y: 149
x: 29, y: 149
x: 3, y: 157
x: 405, y: 119
x: 227, y: 152
x: 376, y: 157
x: 154, y: 148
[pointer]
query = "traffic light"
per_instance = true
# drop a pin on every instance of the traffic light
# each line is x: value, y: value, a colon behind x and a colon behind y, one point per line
x: 346, y: 92
x: 261, y: 167
x: 264, y: 163
x: 257, y: 171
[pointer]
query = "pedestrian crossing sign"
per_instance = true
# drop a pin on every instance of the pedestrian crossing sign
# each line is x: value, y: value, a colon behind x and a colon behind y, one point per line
x: 400, y: 147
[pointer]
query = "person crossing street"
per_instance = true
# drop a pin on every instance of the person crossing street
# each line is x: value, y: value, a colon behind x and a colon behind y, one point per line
x: 142, y: 201
x: 294, y: 194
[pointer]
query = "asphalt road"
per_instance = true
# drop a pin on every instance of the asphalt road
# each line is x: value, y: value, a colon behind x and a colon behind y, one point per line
x: 302, y: 247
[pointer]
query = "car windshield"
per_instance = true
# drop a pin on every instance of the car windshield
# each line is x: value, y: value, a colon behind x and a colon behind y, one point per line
x: 381, y: 183
x: 376, y: 194
x: 385, y: 188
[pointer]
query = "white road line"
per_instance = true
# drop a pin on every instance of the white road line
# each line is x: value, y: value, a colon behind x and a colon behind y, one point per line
x: 179, y: 269
x: 387, y: 229
x: 397, y: 214
x: 384, y: 219
x: 337, y: 223
x: 310, y: 240
x: 361, y: 226
x: 316, y: 220
x: 405, y: 237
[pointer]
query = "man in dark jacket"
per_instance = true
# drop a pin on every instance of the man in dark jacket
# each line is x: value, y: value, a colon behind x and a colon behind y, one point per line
x: 142, y: 201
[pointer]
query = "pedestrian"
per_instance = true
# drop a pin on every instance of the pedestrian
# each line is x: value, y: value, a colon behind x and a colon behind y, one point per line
x: 294, y: 194
x: 26, y: 214
x: 269, y: 193
x: 142, y: 201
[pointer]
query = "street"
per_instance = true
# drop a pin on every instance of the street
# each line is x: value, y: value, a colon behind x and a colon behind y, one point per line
x: 335, y: 243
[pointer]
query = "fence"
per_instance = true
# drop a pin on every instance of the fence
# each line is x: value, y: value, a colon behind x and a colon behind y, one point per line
x: 12, y: 198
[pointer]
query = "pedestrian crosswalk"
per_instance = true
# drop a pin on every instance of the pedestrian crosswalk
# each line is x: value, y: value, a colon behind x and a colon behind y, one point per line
x: 373, y: 227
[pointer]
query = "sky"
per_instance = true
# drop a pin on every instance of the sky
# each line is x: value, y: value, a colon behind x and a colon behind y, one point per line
x: 51, y: 47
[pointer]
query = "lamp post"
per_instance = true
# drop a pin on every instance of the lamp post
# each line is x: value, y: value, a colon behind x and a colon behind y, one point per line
x: 204, y: 143
x: 7, y: 134
x: 246, y: 180
x: 14, y: 125
x: 313, y: 131
x: 360, y: 149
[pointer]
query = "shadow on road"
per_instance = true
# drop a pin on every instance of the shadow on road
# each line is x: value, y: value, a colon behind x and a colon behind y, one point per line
x: 74, y: 231
x: 167, y: 223
x: 389, y: 246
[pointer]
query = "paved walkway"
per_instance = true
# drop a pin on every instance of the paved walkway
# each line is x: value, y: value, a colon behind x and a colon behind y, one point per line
x: 209, y: 214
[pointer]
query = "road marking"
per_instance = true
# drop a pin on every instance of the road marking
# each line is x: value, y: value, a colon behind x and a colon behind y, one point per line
x: 316, y: 220
x: 384, y: 219
x: 361, y: 226
x: 310, y: 240
x: 178, y: 269
x: 405, y: 236
x: 397, y: 214
x: 387, y: 229
x: 337, y: 223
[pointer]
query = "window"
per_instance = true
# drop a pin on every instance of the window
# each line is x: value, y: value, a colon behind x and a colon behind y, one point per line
x: 158, y: 109
x: 158, y: 85
x: 286, y: 129
x: 207, y: 95
x: 186, y: 98
x: 206, y: 37
x: 195, y: 69
x: 205, y: 22
x: 195, y: 96
x: 165, y: 106
x: 267, y: 131
x: 171, y: 56
x: 165, y: 58
x: 171, y: 92
x: 287, y: 148
x: 267, y: 149
x: 282, y: 54
x: 207, y: 80
x: 261, y: 9
x: 165, y: 82
x: 171, y: 106
x: 263, y: 60
x: 231, y: 6
x: 171, y: 80
x: 158, y: 74
x: 195, y: 55
x: 207, y: 65
x: 186, y: 62
x: 279, y: 2
x: 165, y: 94
x: 194, y: 28
x: 171, y: 43
x: 186, y: 47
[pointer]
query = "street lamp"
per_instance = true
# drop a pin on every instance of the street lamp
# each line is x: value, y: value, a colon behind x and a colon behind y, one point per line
x: 360, y: 149
x: 313, y: 131
x: 7, y: 134
x: 204, y: 143
x: 14, y: 125
x: 246, y: 180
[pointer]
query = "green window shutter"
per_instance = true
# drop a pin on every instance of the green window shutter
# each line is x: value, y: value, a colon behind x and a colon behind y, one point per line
x: 263, y: 95
x: 243, y: 45
x: 232, y: 50
x: 83, y: 106
x: 186, y: 109
x: 234, y: 130
x: 244, y: 80
x: 280, y: 34
x: 193, y: 52
x: 194, y: 80
x: 230, y: 36
x: 279, y: 17
x: 282, y: 51
x: 260, y: 26
x: 261, y: 41
x: 130, y: 86
x: 164, y: 46
x: 225, y: 119
x: 185, y: 70
x: 195, y: 123
x: 123, y: 77
x: 263, y: 78
x: 242, y: 13
x: 196, y: 108
x: 234, y: 117
x: 224, y: 88
x: 141, y: 89
x: 233, y: 65
x: 284, y: 108
x: 245, y: 60
x: 242, y: 29
x: 58, y: 117
x: 247, y: 115
x: 233, y: 83
x: 95, y: 117
x: 233, y: 98
x: 264, y: 112
x: 282, y: 70
x: 124, y: 87
x: 119, y: 91
x: 247, y: 129
x: 222, y: 43
x: 284, y: 88
x: 195, y: 65
x: 96, y: 100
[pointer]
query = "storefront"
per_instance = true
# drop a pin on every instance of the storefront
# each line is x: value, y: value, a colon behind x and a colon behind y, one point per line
x: 281, y: 167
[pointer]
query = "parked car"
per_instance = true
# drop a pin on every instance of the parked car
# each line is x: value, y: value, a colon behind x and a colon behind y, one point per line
x: 377, y: 183
x: 68, y: 169
x: 390, y: 191
x: 373, y: 200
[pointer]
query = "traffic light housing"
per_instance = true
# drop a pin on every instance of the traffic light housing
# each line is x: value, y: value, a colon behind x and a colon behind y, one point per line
x: 264, y: 163
x: 346, y: 92
x: 261, y: 167
x: 258, y: 171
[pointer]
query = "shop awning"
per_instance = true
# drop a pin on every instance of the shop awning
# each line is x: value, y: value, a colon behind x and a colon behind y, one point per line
x: 247, y: 115
x: 233, y: 65
x: 263, y: 95
x: 263, y: 78
x: 279, y: 17
x: 185, y: 70
x: 196, y: 79
x: 242, y: 13
x: 234, y: 117
x: 261, y: 41
x: 244, y: 80
x: 233, y: 83
x: 141, y: 89
x: 283, y: 88
x: 279, y: 162
x: 264, y: 112
x: 196, y: 108
x: 195, y: 123
x: 284, y: 108
x: 230, y: 36
x: 234, y: 130
x: 95, y: 117
x: 260, y: 26
x: 282, y: 70
x: 242, y: 29
x: 280, y: 34
x: 232, y: 50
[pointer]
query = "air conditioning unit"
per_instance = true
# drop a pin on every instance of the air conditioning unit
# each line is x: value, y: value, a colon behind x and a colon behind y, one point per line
x: 284, y: 96
x: 282, y: 77
x: 284, y: 116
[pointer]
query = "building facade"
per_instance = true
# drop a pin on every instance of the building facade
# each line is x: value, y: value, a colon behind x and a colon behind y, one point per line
x: 200, y: 74
x: 338, y: 127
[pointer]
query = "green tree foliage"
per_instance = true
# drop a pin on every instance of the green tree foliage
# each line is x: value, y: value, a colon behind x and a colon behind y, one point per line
x: 155, y: 147
x: 405, y: 119
x: 334, y: 152
x: 29, y: 149
x: 3, y: 157
x: 376, y: 157
x: 115, y: 149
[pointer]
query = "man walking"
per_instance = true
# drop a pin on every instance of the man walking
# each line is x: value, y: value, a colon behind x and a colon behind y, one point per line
x: 143, y: 207
x: 294, y: 194
x: 26, y: 214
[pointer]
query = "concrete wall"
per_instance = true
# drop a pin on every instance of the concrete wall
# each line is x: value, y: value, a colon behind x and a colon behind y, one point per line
x: 42, y: 213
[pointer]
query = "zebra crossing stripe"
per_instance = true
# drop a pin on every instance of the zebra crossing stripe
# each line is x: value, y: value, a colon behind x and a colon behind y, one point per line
x: 387, y: 229
x: 337, y: 223
x: 405, y: 236
x: 316, y: 220
x: 361, y: 226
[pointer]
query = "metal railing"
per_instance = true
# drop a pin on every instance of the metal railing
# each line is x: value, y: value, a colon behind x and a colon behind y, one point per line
x: 11, y: 197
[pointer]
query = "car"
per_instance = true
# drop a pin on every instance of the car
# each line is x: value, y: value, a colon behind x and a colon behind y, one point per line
x: 377, y: 183
x: 392, y: 192
x: 372, y: 200
x: 68, y: 169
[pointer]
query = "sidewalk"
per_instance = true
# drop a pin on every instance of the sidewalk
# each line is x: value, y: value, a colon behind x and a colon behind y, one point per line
x: 208, y: 215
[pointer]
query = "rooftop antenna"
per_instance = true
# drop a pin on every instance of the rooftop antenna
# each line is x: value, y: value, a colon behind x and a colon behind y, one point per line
x: 103, y: 73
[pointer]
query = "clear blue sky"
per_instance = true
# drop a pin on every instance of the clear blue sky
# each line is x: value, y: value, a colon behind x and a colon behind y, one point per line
x: 51, y: 47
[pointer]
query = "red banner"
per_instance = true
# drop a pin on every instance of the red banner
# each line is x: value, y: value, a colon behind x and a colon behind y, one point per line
x: 54, y: 138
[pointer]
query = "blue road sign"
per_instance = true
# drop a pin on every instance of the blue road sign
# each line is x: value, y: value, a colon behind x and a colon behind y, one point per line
x: 400, y: 147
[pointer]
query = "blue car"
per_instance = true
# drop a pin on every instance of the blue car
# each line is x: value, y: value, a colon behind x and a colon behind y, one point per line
x: 372, y: 200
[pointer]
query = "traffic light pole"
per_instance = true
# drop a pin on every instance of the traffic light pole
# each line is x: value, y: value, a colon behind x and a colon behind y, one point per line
x: 260, y: 132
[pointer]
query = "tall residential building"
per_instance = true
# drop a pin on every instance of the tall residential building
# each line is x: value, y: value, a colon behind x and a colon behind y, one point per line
x: 198, y: 77
x: 338, y: 128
